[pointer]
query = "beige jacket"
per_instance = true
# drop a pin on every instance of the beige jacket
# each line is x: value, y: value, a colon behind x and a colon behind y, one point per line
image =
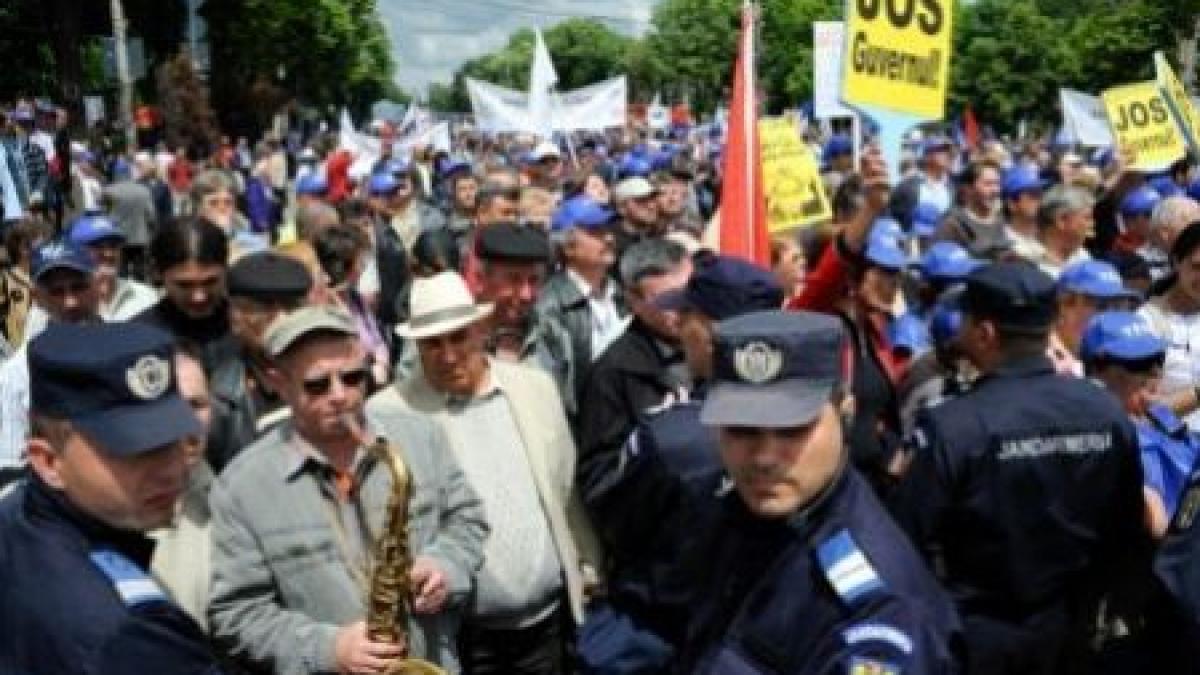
x: 538, y: 411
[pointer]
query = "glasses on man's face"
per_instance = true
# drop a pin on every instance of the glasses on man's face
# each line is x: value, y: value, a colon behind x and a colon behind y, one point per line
x: 319, y: 386
x: 218, y: 202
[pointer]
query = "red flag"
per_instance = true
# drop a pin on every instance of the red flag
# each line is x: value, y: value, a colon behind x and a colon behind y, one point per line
x: 970, y: 128
x: 743, y: 206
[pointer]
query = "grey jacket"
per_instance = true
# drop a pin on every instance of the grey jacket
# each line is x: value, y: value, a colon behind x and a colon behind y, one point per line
x: 281, y: 587
x: 562, y: 301
x: 132, y: 208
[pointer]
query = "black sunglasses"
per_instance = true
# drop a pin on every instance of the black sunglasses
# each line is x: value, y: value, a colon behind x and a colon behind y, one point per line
x: 319, y: 386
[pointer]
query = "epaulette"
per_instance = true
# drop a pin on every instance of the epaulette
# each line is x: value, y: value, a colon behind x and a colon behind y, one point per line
x: 847, y: 569
x: 132, y: 583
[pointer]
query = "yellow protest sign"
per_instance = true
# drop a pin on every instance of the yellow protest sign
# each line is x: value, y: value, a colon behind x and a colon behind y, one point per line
x: 1179, y: 102
x: 898, y: 55
x: 1142, y: 123
x: 791, y: 178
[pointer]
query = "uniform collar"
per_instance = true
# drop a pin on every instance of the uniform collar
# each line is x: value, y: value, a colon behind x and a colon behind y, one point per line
x: 51, y: 508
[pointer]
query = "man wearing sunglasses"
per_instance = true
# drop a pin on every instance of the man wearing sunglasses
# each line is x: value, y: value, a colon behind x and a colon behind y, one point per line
x: 1122, y: 352
x: 295, y: 518
x: 64, y: 291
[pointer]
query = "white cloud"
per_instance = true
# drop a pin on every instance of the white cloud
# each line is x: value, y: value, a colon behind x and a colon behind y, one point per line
x: 430, y: 40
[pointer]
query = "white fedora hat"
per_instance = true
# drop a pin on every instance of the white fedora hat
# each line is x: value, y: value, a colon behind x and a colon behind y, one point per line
x: 441, y: 304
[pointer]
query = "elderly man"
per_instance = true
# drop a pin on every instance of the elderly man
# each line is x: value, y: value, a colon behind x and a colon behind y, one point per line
x: 121, y: 298
x: 1065, y: 221
x: 64, y: 287
x: 1170, y: 217
x: 296, y: 519
x: 514, y: 261
x: 637, y: 204
x: 508, y: 430
x: 109, y: 463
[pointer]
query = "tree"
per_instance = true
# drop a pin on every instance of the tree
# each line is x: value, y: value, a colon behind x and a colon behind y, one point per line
x: 323, y: 52
x: 190, y: 120
x: 1009, y: 61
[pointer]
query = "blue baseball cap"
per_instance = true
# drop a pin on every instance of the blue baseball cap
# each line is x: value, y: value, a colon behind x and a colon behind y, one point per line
x: 662, y: 160
x: 581, y: 211
x: 1140, y: 202
x: 1120, y: 336
x: 397, y: 165
x: 93, y: 227
x: 1193, y: 190
x: 1164, y: 185
x: 909, y: 333
x: 946, y: 321
x: 883, y: 245
x: 61, y: 254
x: 1021, y: 179
x: 835, y: 147
x: 115, y: 382
x: 927, y: 218
x: 313, y: 184
x: 1094, y: 278
x: 634, y: 165
x: 774, y: 369
x: 722, y: 287
x: 947, y: 261
x: 382, y: 184
x: 935, y: 143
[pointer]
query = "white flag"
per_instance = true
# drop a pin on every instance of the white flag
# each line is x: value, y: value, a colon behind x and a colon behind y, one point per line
x: 1085, y: 120
x: 542, y: 79
x: 657, y: 114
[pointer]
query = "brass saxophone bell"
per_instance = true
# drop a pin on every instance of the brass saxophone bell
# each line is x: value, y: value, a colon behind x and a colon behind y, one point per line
x: 414, y: 667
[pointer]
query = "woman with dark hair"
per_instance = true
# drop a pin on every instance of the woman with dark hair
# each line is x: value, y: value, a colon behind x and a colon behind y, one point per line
x: 1175, y: 317
x: 191, y: 257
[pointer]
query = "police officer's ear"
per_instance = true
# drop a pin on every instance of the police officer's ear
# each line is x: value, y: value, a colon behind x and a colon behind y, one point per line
x: 44, y: 459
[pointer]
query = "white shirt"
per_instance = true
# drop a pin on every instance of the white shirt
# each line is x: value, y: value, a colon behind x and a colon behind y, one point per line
x: 14, y: 409
x: 1054, y: 268
x: 1181, y: 372
x: 607, y: 323
x: 938, y: 193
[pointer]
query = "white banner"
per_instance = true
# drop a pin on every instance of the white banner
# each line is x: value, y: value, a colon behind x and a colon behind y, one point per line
x: 1084, y: 119
x: 657, y: 114
x: 594, y: 107
x: 829, y: 39
x: 498, y: 110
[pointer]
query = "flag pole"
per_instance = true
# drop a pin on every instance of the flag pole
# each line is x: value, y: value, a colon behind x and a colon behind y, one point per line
x: 750, y: 111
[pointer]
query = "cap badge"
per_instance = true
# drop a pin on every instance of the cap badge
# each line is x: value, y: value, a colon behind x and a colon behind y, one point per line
x: 758, y: 362
x: 149, y: 378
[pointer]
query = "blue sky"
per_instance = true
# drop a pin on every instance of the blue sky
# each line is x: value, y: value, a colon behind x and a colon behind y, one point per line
x: 432, y: 38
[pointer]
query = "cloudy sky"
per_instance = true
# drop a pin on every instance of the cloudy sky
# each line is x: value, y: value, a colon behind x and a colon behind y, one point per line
x: 432, y: 38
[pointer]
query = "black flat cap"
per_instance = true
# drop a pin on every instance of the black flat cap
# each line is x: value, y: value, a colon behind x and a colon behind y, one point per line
x: 269, y: 277
x: 1015, y: 295
x: 506, y: 242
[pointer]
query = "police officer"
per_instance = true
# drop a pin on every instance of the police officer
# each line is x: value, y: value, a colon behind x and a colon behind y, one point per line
x: 109, y: 463
x: 1028, y: 485
x: 798, y: 569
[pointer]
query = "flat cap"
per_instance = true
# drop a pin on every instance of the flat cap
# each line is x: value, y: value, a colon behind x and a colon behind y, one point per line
x: 507, y: 242
x: 269, y: 276
x: 289, y: 328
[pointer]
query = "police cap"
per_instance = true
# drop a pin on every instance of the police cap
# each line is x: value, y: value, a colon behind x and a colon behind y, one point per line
x: 1014, y: 294
x: 115, y: 382
x: 722, y: 287
x: 774, y: 369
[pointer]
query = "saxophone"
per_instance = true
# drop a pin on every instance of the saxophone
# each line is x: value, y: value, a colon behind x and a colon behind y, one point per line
x: 388, y: 598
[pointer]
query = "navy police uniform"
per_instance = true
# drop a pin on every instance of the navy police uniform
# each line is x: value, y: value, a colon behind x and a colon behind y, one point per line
x: 1028, y: 491
x: 76, y: 596
x: 832, y: 588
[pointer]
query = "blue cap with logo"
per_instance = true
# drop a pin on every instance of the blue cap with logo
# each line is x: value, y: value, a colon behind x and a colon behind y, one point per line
x: 947, y: 261
x: 382, y: 184
x: 722, y: 287
x: 1095, y: 279
x: 1015, y: 294
x: 115, y: 382
x: 1164, y: 185
x: 583, y: 212
x: 1120, y: 336
x: 774, y: 369
x: 634, y: 165
x: 837, y: 146
x: 909, y: 335
x: 94, y: 227
x: 883, y: 247
x: 927, y: 218
x: 397, y: 166
x: 1140, y: 202
x: 312, y: 184
x: 1021, y: 179
x: 60, y: 254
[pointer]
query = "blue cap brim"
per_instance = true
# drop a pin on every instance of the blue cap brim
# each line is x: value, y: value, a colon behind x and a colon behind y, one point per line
x: 1134, y: 348
x: 781, y: 405
x: 892, y: 260
x: 134, y: 429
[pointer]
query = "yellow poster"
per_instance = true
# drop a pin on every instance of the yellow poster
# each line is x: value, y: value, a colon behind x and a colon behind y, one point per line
x: 1178, y: 101
x: 1141, y: 123
x: 791, y: 178
x: 898, y: 55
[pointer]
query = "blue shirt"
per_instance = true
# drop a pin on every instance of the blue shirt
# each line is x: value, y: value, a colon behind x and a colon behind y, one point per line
x: 1168, y: 453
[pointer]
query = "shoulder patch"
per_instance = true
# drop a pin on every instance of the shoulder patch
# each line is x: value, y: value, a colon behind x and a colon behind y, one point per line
x: 878, y: 633
x: 865, y: 666
x: 847, y: 569
x: 131, y: 582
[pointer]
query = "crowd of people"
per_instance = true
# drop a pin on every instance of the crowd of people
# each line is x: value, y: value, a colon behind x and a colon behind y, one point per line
x: 952, y: 430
